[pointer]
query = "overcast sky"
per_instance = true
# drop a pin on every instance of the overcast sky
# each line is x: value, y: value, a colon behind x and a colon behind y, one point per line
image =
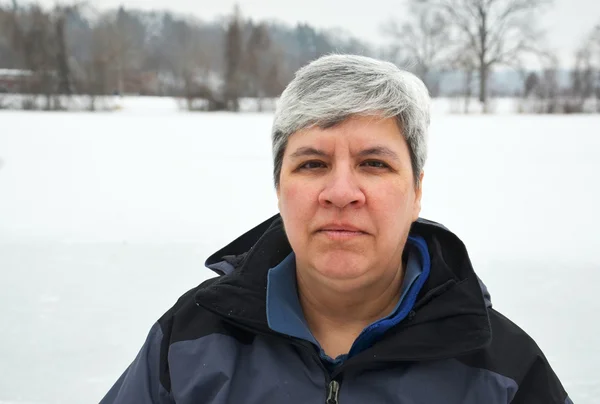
x: 566, y: 22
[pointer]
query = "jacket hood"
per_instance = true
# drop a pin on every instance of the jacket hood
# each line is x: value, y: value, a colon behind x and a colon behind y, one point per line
x: 449, y: 317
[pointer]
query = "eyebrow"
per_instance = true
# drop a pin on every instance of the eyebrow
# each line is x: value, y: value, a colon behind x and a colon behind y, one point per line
x: 308, y: 151
x: 381, y: 151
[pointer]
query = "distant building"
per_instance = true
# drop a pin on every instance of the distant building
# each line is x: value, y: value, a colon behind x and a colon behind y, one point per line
x: 14, y: 80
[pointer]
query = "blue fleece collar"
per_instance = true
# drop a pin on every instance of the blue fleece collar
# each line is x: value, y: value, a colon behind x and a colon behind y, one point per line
x: 285, y: 315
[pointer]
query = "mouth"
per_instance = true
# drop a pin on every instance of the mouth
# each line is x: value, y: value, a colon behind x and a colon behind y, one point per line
x: 341, y: 232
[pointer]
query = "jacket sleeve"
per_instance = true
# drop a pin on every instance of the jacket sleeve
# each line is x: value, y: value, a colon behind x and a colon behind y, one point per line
x: 140, y: 383
x: 541, y: 385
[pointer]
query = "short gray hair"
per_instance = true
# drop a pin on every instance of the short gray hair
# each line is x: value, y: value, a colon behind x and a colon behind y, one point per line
x: 335, y: 87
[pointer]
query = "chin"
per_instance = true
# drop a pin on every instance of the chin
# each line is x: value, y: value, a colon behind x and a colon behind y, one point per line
x: 341, y: 265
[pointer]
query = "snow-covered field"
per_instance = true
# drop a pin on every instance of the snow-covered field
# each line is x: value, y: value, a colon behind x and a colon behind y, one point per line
x: 105, y: 219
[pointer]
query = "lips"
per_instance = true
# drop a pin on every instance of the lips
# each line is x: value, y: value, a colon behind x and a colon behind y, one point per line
x: 341, y: 229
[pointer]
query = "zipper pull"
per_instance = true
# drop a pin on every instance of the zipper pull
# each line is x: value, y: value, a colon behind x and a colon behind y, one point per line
x: 333, y: 393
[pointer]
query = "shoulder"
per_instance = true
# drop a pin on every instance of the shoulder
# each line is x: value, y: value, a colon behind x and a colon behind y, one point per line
x: 515, y: 355
x: 191, y: 331
x: 511, y: 351
x: 186, y: 321
x: 508, y: 335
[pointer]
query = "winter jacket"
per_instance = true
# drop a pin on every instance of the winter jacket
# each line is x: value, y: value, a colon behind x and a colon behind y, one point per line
x: 215, y: 345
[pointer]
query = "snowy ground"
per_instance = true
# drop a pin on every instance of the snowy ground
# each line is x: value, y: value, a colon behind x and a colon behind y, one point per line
x: 105, y: 219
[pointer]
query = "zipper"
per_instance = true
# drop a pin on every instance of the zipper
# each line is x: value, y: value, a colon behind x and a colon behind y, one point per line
x: 333, y: 392
x: 333, y: 386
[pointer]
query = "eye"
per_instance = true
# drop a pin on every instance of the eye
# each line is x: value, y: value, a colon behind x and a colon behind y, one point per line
x: 311, y: 165
x: 375, y: 164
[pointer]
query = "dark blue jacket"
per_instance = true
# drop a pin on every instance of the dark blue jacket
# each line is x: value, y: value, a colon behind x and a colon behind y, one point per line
x: 214, y: 346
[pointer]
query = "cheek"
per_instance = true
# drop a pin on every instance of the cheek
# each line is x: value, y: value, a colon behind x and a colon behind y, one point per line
x: 288, y: 198
x: 392, y: 205
x: 296, y: 203
x: 296, y: 206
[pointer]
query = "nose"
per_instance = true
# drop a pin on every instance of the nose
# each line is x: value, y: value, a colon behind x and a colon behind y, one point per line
x: 342, y: 190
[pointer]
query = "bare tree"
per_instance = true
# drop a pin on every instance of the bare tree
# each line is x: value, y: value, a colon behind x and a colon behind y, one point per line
x: 595, y: 56
x: 258, y: 63
x: 585, y: 76
x: 424, y: 42
x: 39, y: 37
x: 189, y: 60
x: 275, y: 80
x: 96, y: 82
x: 542, y: 93
x: 531, y: 84
x: 113, y: 53
x: 465, y: 64
x: 233, y: 60
x: 6, y: 52
x: 127, y: 40
x: 193, y: 67
x: 64, y: 75
x: 38, y: 45
x: 582, y: 77
x: 550, y: 90
x: 494, y: 32
x: 63, y: 70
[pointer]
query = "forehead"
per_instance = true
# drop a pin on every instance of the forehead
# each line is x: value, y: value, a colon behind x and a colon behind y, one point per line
x: 353, y: 132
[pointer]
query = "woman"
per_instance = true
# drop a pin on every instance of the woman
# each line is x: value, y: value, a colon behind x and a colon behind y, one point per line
x: 346, y: 296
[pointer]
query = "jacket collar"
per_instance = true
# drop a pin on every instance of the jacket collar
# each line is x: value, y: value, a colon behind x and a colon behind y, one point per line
x: 449, y: 318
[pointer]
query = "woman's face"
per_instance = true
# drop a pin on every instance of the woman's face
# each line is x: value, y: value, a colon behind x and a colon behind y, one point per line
x: 347, y: 199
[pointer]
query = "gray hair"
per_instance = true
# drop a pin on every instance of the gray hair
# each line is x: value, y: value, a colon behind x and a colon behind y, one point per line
x: 335, y: 87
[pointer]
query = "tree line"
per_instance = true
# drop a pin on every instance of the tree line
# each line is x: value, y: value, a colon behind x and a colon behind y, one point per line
x: 73, y: 50
x: 76, y: 49
x: 478, y: 37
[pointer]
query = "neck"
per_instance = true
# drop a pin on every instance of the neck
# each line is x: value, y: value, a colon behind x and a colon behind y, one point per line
x: 340, y: 315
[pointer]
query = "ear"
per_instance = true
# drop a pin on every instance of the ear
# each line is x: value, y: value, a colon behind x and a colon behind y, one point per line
x: 418, y: 195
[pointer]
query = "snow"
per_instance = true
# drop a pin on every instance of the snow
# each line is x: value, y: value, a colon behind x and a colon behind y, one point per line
x: 129, y: 104
x: 107, y: 218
